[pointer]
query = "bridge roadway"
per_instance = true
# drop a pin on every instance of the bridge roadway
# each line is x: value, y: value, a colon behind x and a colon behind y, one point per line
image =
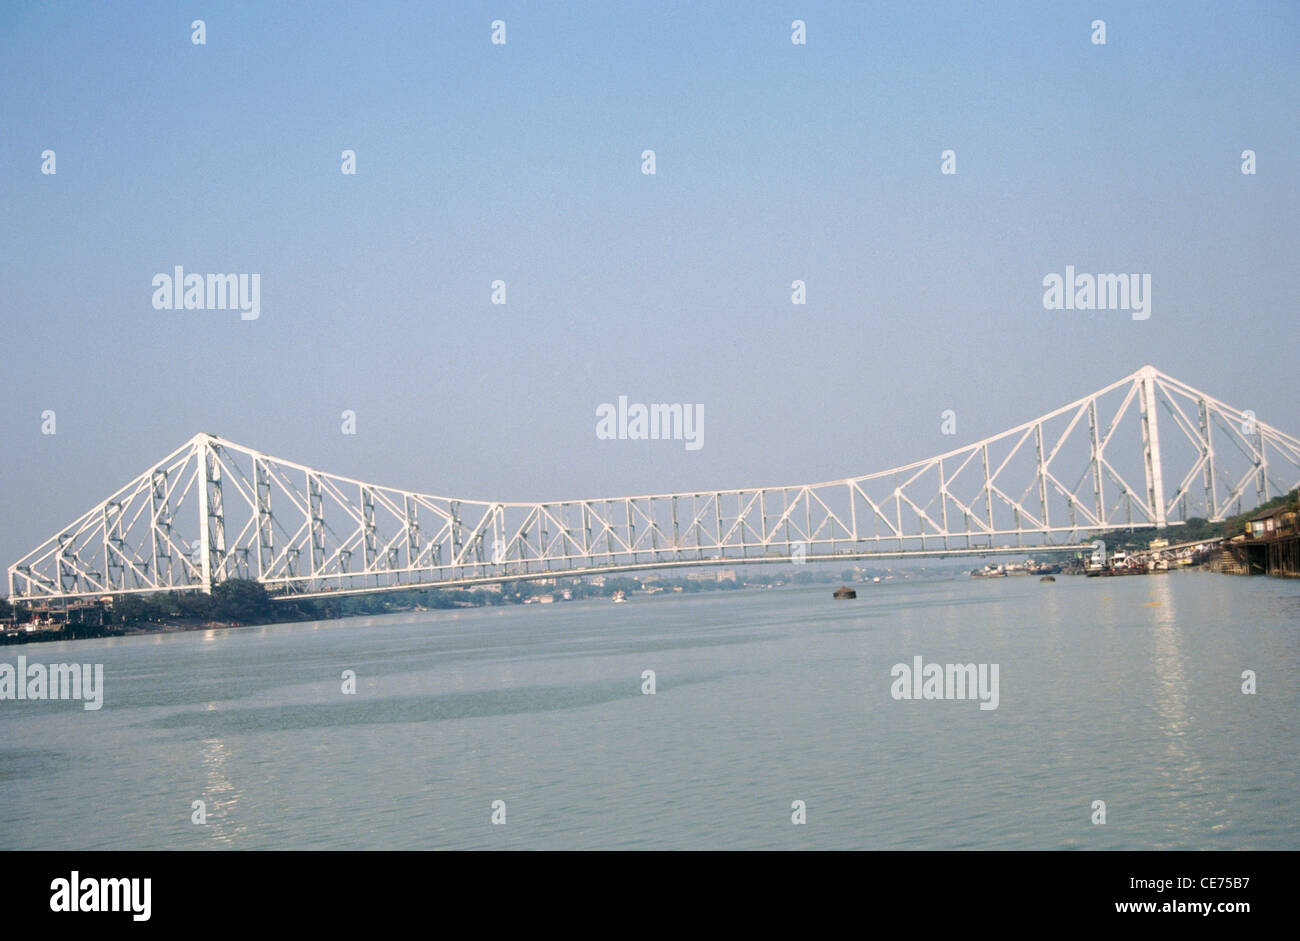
x: 688, y: 563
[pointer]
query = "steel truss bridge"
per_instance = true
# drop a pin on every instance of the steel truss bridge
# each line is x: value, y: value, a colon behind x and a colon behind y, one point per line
x: 1147, y: 450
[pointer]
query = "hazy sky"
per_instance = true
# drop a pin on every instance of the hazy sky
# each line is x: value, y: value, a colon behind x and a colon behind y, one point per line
x: 522, y: 162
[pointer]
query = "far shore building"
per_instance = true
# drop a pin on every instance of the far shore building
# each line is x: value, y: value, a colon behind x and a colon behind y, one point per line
x: 1272, y: 542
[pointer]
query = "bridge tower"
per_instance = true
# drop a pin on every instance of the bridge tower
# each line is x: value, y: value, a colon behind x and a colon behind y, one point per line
x: 212, y: 517
x: 1151, y: 446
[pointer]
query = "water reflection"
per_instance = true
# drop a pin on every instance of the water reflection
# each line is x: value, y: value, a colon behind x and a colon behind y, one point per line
x: 220, y: 795
x: 1167, y: 660
x: 1183, y: 771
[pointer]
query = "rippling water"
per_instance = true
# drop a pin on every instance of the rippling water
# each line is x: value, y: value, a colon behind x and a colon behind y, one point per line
x: 1126, y: 690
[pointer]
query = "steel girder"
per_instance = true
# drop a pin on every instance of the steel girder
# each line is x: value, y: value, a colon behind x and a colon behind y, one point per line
x: 1147, y: 450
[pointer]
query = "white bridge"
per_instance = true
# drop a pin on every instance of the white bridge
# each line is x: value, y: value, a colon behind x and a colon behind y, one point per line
x: 1147, y: 450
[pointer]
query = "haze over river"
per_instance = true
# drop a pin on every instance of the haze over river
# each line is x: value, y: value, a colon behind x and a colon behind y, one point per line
x: 1127, y: 690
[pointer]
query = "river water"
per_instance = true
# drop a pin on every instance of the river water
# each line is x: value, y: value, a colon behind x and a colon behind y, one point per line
x: 1123, y: 690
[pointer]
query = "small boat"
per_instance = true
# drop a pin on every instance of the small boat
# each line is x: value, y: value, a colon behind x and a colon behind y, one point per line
x: 844, y: 592
x: 1048, y: 578
x: 620, y: 597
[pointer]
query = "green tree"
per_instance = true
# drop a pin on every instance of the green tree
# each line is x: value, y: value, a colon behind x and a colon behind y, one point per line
x: 241, y: 599
x: 195, y: 605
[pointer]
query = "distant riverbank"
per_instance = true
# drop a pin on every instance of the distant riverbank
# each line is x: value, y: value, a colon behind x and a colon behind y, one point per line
x: 244, y: 603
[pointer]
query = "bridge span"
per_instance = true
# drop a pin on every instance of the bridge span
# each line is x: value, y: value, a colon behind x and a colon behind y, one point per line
x: 1146, y: 450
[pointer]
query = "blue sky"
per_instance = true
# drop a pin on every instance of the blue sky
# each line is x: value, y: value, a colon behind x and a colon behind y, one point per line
x: 522, y: 162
